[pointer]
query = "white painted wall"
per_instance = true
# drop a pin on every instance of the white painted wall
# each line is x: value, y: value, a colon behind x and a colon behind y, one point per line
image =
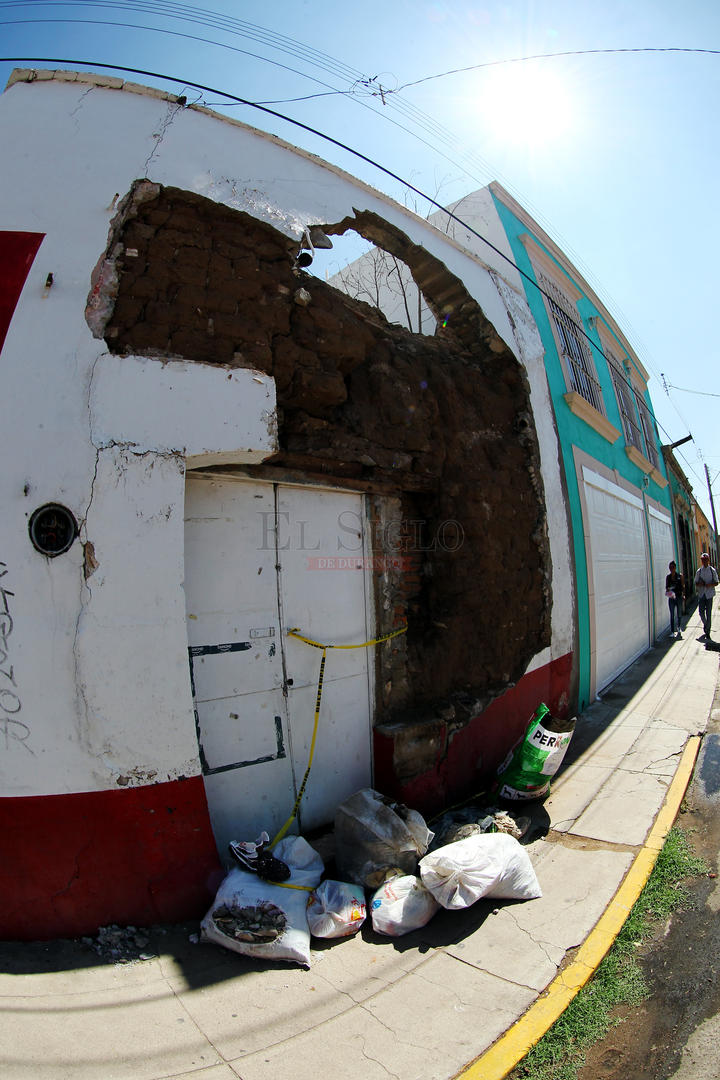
x: 210, y: 415
x: 100, y: 664
x: 478, y: 210
x: 528, y: 348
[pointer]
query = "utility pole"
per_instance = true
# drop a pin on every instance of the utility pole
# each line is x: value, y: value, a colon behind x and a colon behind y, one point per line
x: 712, y: 504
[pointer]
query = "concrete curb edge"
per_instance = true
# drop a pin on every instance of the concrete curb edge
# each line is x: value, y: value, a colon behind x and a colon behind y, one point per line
x: 496, y: 1062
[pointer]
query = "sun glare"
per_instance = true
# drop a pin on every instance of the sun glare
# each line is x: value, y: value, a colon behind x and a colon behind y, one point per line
x: 527, y: 104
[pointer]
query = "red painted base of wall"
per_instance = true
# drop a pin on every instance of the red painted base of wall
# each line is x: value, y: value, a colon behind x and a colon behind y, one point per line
x: 72, y: 863
x: 474, y: 752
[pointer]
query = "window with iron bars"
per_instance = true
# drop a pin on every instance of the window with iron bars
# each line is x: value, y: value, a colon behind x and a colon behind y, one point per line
x: 573, y: 346
x: 626, y: 402
x: 649, y: 431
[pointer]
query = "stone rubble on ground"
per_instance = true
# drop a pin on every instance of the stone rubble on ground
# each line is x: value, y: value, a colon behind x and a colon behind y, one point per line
x: 121, y: 944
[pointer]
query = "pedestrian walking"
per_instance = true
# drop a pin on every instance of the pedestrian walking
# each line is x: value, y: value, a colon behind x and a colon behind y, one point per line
x: 674, y: 590
x: 706, y: 579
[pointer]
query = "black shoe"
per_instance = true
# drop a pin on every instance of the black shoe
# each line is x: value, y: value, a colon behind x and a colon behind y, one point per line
x: 254, y: 858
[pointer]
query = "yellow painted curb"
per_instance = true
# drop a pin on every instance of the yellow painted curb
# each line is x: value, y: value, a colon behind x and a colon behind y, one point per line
x: 512, y: 1047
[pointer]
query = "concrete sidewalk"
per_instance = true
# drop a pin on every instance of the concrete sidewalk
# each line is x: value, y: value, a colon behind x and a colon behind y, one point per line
x: 422, y: 1007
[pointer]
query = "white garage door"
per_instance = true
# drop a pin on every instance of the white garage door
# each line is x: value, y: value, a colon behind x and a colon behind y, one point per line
x: 619, y: 586
x: 261, y: 559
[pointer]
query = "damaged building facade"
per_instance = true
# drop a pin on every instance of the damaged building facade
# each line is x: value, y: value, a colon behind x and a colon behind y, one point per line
x: 219, y: 462
x: 623, y: 524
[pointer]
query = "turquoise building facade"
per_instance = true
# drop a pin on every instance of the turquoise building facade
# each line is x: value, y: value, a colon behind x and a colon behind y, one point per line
x: 618, y: 495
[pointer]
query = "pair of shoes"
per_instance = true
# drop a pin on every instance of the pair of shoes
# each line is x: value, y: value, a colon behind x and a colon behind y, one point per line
x: 253, y: 857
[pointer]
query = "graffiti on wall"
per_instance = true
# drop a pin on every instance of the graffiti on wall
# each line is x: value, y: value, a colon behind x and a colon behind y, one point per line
x: 13, y: 730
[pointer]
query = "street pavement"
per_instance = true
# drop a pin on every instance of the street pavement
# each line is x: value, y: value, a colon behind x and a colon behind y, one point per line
x: 463, y: 997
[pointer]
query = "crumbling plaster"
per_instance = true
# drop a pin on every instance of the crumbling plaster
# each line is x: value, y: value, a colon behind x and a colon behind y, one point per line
x: 443, y: 424
x: 51, y: 360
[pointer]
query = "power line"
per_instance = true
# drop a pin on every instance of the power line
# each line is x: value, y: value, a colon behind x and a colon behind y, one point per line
x: 548, y: 56
x: 389, y: 96
x: 407, y: 110
x: 361, y: 87
x: 335, y: 142
x: 297, y: 123
x: 160, y: 30
x: 202, y: 16
x: 469, y: 161
x: 685, y: 390
x: 187, y: 13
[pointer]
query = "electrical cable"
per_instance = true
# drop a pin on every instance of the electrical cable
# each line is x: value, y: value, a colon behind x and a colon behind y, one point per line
x: 163, y: 30
x: 425, y: 122
x: 372, y: 87
x: 185, y: 12
x: 548, y: 56
x: 280, y: 116
x: 414, y: 115
x: 334, y: 142
x: 685, y: 390
x: 469, y: 162
x: 188, y: 13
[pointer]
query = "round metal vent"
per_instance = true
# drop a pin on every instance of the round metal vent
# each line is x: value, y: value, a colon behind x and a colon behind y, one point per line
x: 52, y: 529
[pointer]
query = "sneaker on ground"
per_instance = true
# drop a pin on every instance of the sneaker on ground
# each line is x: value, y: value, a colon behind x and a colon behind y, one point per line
x: 254, y: 858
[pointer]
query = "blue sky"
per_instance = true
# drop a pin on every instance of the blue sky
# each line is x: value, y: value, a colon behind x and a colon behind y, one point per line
x: 614, y: 153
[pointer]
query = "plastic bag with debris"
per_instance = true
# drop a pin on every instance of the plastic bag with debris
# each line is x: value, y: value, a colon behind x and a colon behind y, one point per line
x: 336, y: 909
x: 253, y: 917
x: 402, y: 904
x: 490, y: 864
x: 374, y: 835
x: 535, y: 758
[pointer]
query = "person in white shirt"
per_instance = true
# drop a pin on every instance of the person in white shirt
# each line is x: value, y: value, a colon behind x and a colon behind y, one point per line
x: 706, y: 579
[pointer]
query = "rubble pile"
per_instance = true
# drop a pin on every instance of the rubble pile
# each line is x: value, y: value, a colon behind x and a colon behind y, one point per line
x: 121, y: 944
x: 472, y: 820
x: 254, y: 923
x: 383, y: 851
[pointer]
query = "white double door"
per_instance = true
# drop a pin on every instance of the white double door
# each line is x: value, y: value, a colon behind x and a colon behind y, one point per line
x: 262, y: 559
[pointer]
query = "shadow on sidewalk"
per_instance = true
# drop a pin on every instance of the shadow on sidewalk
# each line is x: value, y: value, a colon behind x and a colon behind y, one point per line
x: 601, y: 713
x: 204, y: 965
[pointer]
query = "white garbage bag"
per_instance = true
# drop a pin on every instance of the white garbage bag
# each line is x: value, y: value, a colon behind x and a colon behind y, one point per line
x: 253, y: 917
x: 489, y: 864
x: 402, y: 904
x: 336, y: 909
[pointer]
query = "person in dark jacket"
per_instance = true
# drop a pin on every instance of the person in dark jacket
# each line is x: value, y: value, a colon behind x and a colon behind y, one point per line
x: 674, y: 590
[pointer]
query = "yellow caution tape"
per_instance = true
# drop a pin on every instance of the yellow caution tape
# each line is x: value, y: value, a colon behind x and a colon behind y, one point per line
x: 287, y: 885
x: 363, y: 644
x: 319, y: 645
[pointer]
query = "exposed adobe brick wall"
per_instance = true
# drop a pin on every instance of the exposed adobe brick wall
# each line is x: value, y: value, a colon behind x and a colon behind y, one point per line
x: 441, y: 425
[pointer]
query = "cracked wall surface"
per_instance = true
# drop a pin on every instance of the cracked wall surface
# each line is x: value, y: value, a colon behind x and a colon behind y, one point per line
x: 133, y: 523
x: 440, y: 426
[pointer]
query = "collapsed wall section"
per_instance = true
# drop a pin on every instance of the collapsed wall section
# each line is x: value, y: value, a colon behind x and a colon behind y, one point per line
x: 439, y: 429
